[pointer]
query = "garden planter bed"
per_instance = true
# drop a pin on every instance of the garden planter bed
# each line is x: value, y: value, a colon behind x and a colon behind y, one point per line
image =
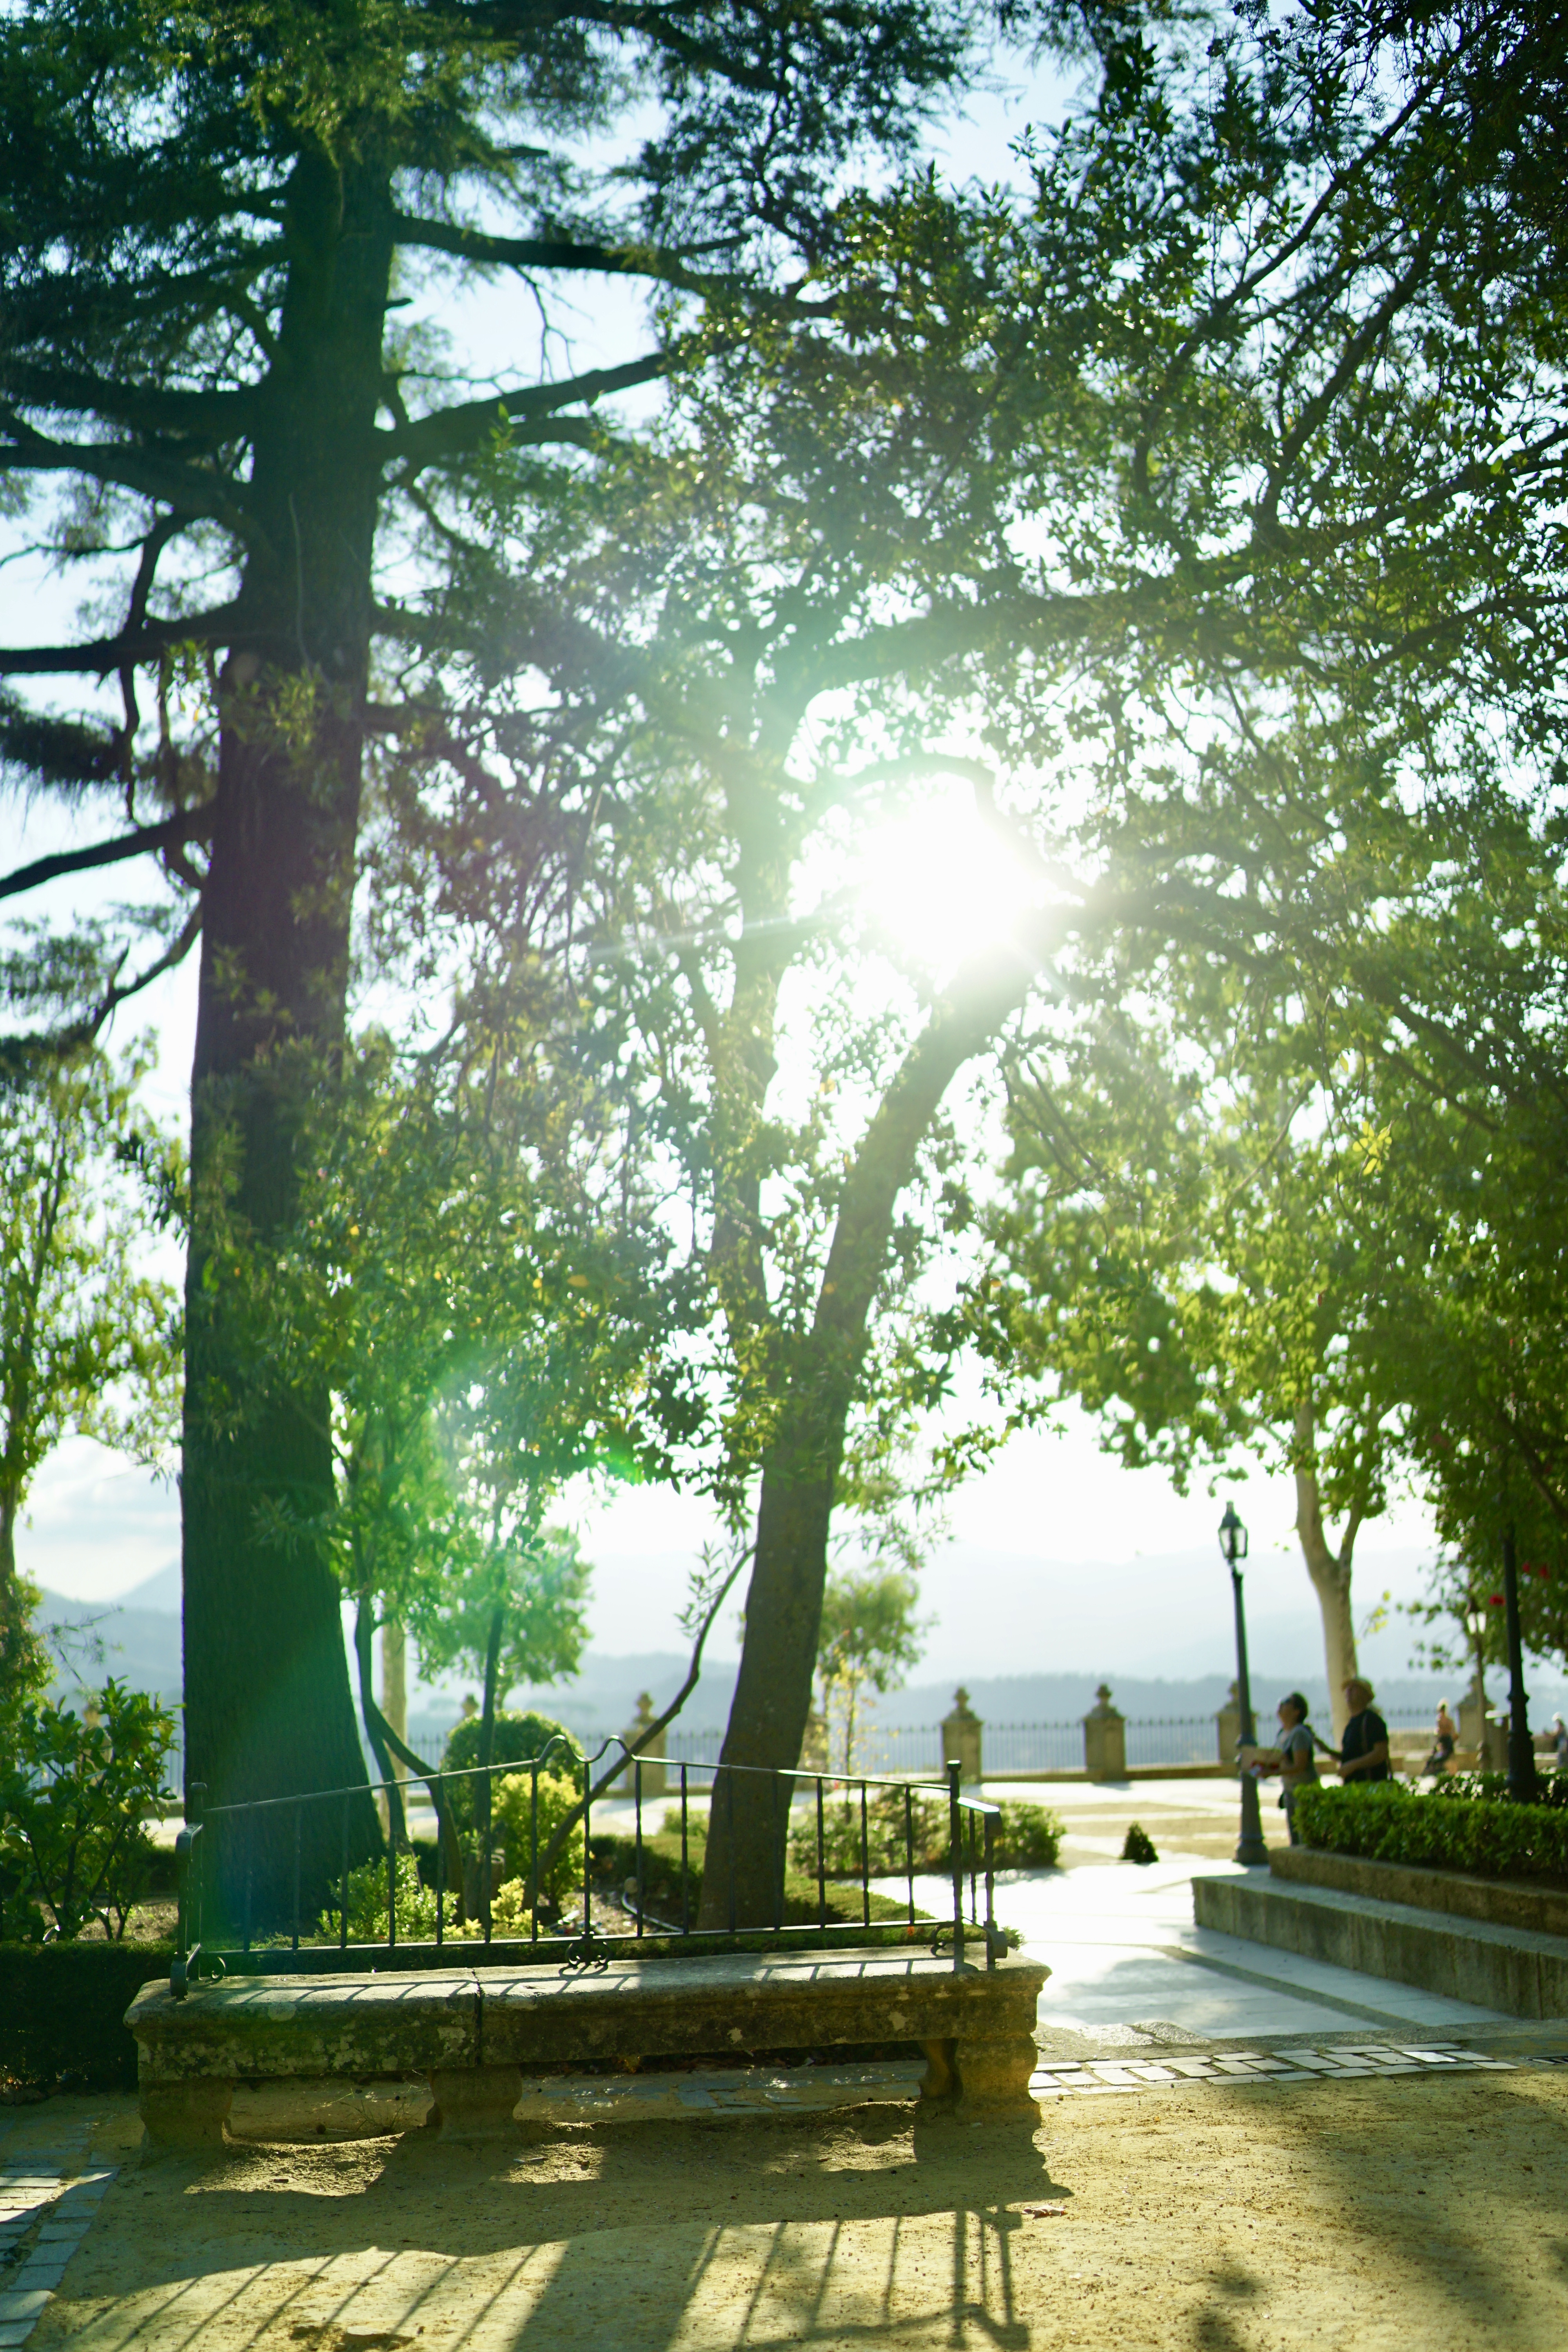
x: 1502, y: 1902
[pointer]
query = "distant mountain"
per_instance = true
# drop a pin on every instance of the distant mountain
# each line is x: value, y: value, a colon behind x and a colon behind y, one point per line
x: 94, y: 1640
x: 162, y: 1592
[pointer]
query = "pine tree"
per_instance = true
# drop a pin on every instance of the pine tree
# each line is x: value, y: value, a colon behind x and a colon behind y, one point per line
x: 213, y: 213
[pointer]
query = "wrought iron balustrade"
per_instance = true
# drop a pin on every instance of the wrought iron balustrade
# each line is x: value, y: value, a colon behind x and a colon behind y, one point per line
x: 838, y: 1832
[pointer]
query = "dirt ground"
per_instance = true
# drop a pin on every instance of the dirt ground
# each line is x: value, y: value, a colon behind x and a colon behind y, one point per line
x: 1416, y: 2213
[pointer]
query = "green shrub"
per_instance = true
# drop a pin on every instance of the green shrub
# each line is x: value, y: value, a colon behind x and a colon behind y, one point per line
x: 885, y: 1834
x: 1026, y: 1837
x: 1029, y: 1837
x: 1138, y: 1845
x: 413, y: 1905
x: 512, y: 1823
x: 518, y: 1738
x: 62, y: 2011
x: 1490, y: 1836
x: 616, y: 1860
x: 73, y: 1798
x: 1552, y: 1788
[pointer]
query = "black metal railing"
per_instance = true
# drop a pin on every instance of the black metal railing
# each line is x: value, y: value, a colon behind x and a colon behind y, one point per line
x: 860, y: 1838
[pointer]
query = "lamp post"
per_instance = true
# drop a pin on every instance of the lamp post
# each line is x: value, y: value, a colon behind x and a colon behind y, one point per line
x: 1521, y: 1753
x: 1249, y: 1847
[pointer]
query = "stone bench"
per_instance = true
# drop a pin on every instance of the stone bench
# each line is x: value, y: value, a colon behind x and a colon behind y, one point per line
x: 470, y: 2035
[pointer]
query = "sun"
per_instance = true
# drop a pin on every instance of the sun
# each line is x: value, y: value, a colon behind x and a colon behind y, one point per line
x: 940, y: 884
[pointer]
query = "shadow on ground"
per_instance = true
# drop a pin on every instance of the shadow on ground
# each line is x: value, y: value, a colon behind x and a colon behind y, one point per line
x: 1230, y: 2218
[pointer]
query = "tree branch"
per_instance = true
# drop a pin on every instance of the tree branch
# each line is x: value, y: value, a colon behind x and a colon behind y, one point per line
x: 650, y: 1731
x: 217, y: 414
x: 154, y: 637
x: 451, y: 431
x: 188, y: 489
x: 189, y: 824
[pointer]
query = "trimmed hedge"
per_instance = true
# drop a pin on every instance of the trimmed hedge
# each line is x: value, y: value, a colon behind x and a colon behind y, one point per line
x: 1552, y: 1788
x: 62, y: 2012
x: 1488, y: 1836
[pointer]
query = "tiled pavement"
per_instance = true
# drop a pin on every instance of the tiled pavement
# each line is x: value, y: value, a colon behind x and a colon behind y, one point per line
x: 1131, y: 1970
x: 1335, y: 2063
x: 48, y: 2197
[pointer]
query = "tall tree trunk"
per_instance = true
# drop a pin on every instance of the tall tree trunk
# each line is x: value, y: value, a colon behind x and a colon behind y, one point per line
x: 1330, y: 1570
x: 268, y: 1710
x: 397, y: 1825
x: 800, y: 1470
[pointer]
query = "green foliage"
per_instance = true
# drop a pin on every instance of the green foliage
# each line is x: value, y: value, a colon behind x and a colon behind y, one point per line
x: 62, y: 2012
x: 542, y: 1587
x: 1485, y: 1835
x: 869, y: 1637
x: 73, y: 1800
x: 519, y: 1737
x: 89, y: 1342
x: 1138, y: 1845
x: 513, y: 1825
x: 414, y: 1906
x: 1551, y: 1788
x: 614, y: 1862
x: 1026, y: 1837
x: 484, y: 1321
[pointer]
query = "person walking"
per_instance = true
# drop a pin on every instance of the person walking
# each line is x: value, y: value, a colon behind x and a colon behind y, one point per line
x: 1445, y: 1735
x: 1363, y: 1747
x: 1295, y: 1759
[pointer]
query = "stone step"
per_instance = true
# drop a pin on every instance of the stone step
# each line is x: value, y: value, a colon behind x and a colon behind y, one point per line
x: 1519, y: 1970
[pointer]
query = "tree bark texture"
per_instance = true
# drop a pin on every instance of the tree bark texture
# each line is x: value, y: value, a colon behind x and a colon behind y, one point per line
x: 800, y: 1470
x: 1330, y: 1572
x: 268, y: 1710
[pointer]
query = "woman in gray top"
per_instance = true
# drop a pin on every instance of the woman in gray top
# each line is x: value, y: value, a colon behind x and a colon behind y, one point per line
x: 1294, y: 1759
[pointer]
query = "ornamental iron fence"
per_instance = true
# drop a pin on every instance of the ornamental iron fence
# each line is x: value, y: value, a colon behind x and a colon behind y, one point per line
x: 826, y: 1832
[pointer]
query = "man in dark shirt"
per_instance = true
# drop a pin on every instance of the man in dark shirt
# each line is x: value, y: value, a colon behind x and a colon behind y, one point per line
x: 1364, y: 1749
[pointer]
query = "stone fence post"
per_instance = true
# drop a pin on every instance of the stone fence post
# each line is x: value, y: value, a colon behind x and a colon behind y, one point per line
x: 652, y: 1758
x: 1104, y: 1740
x: 960, y: 1737
x: 1228, y: 1728
x: 1474, y: 1710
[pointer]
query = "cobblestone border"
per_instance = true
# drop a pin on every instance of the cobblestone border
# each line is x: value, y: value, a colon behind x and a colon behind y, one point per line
x: 1288, y: 2062
x: 49, y: 2202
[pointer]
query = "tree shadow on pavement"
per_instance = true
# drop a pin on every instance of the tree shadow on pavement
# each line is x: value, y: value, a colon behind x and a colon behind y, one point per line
x: 860, y: 2227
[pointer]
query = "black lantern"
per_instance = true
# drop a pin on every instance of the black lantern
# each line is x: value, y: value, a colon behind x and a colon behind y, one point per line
x: 1251, y: 1849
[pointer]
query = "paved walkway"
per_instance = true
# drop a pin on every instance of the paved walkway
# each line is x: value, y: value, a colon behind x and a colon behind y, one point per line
x: 1129, y: 1969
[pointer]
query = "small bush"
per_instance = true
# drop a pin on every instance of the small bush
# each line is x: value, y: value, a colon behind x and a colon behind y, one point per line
x: 1490, y: 1836
x: 1030, y: 1837
x: 518, y: 1738
x: 414, y: 1906
x: 512, y: 1821
x: 615, y: 1867
x: 73, y: 1798
x: 1138, y: 1845
x: 1026, y: 1837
